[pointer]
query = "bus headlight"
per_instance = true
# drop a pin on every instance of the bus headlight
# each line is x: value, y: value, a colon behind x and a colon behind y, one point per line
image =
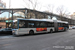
x: 13, y: 31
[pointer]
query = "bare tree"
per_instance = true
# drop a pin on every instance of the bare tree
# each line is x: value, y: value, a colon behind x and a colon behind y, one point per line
x: 34, y: 4
x: 62, y: 11
x: 50, y: 8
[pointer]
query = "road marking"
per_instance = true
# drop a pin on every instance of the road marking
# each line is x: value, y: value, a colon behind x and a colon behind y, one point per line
x: 4, y: 45
x: 3, y: 37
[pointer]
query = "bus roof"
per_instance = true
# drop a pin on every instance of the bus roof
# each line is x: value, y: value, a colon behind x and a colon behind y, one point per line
x: 47, y: 20
x: 59, y: 21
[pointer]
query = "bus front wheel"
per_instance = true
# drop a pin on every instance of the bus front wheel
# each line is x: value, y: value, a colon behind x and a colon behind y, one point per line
x: 15, y: 35
x: 31, y: 32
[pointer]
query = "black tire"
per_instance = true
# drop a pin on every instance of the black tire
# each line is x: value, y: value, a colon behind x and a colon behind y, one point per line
x: 51, y: 31
x: 31, y: 32
x: 64, y: 29
x: 15, y: 35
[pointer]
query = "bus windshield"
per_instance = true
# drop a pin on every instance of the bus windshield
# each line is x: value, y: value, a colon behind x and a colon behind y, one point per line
x: 15, y: 26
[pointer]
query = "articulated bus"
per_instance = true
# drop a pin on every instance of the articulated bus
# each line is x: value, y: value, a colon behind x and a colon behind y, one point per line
x: 31, y: 26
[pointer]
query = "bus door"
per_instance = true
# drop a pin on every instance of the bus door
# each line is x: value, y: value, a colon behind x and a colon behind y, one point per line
x: 55, y: 25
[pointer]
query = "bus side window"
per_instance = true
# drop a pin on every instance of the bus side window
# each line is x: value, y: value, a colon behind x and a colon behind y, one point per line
x: 52, y: 24
x: 59, y: 24
x: 31, y: 24
x: 43, y: 24
x: 49, y: 24
x: 37, y: 24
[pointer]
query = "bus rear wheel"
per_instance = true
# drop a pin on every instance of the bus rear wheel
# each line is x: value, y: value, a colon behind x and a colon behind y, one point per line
x: 31, y: 32
x: 51, y: 31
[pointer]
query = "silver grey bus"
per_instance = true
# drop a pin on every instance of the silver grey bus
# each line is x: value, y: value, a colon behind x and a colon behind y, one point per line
x: 31, y: 26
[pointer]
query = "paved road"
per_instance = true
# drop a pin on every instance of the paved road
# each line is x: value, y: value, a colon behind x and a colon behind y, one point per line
x: 54, y: 41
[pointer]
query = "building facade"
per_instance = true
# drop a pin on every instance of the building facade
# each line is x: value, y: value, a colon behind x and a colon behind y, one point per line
x: 73, y: 16
x: 2, y: 5
x: 28, y: 14
x: 2, y: 25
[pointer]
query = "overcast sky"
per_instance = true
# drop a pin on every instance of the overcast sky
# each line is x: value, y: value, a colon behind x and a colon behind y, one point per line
x: 69, y: 4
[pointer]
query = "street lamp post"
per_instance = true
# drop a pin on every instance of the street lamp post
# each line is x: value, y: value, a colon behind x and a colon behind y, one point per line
x: 9, y: 8
x: 9, y: 18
